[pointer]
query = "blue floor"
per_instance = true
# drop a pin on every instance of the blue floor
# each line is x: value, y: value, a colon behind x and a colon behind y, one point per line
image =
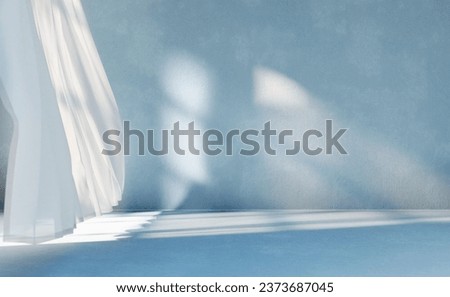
x: 414, y: 247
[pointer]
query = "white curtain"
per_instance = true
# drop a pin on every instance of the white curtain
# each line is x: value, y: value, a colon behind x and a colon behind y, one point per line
x: 55, y: 88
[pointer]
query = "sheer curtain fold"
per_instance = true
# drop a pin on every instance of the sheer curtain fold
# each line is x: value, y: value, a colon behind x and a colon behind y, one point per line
x: 61, y: 102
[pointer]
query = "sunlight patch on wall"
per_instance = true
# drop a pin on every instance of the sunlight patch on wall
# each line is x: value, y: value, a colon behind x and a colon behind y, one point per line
x: 187, y: 83
x: 275, y: 90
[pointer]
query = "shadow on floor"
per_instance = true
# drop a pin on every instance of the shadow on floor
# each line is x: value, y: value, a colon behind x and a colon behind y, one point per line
x: 253, y: 243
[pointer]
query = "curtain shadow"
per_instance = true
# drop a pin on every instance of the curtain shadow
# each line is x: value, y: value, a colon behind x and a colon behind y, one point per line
x: 6, y: 128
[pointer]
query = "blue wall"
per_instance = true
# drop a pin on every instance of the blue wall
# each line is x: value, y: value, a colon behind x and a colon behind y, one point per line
x: 379, y: 68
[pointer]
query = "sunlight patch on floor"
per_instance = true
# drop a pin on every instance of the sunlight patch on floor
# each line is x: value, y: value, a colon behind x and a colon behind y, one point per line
x: 147, y: 225
x: 109, y: 227
x: 229, y: 223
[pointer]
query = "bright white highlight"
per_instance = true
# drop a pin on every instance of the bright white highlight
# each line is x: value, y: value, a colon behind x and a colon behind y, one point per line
x: 275, y: 90
x: 187, y: 84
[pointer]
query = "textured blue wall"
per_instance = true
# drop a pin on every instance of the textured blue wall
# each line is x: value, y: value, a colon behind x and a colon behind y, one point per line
x: 379, y: 68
